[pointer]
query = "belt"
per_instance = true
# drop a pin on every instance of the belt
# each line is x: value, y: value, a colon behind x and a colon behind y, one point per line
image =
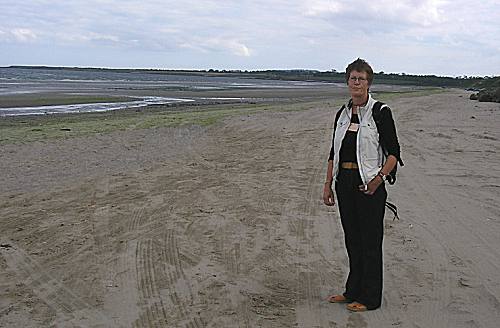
x: 349, y: 165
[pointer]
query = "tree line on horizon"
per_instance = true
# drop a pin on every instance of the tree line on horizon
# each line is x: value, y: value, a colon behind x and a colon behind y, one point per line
x: 474, y: 82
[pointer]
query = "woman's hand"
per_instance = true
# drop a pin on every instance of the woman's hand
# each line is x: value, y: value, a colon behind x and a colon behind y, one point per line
x: 372, y: 186
x: 328, y: 195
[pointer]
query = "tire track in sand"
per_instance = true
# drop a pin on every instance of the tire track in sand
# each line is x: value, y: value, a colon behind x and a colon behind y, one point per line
x: 308, y: 307
x: 69, y: 307
x: 162, y: 284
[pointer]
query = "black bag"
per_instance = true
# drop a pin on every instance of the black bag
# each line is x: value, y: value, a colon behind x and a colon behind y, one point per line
x: 391, y: 178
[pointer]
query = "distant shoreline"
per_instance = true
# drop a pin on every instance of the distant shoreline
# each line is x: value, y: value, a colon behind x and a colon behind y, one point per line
x: 288, y: 75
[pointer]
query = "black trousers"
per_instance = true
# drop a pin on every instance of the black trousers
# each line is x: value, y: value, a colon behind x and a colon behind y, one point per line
x: 362, y: 219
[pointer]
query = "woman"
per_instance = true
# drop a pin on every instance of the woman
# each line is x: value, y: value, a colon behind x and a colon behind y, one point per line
x: 359, y: 167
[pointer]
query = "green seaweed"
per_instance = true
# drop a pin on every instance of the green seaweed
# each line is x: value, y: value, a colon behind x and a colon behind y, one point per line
x: 60, y: 126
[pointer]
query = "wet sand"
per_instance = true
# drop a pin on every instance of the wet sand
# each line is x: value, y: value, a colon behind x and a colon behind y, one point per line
x: 223, y: 225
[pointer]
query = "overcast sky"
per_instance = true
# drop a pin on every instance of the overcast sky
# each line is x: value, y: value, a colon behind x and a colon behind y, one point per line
x: 411, y: 36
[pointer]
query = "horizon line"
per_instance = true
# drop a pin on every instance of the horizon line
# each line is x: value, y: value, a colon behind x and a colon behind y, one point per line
x: 207, y: 70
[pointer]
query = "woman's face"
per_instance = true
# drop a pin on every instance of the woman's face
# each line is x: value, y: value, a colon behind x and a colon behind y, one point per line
x: 358, y: 84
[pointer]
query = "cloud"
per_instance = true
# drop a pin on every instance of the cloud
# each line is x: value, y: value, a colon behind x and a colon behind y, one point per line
x: 377, y: 14
x: 90, y: 37
x: 23, y: 34
x: 263, y: 33
x: 323, y: 8
x: 233, y: 47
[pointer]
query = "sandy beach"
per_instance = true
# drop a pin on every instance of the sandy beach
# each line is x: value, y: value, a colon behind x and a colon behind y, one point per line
x: 222, y: 224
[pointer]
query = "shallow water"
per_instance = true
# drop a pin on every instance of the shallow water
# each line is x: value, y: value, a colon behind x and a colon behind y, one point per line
x: 86, y: 108
x: 150, y: 88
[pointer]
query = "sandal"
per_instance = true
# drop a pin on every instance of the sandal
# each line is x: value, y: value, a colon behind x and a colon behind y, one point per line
x: 356, y: 307
x: 338, y: 299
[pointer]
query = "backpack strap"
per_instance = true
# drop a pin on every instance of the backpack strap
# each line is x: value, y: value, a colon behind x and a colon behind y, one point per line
x: 337, y: 116
x: 393, y: 209
x: 377, y: 117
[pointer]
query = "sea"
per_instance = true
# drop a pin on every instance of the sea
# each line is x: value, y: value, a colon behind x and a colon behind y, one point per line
x: 143, y: 88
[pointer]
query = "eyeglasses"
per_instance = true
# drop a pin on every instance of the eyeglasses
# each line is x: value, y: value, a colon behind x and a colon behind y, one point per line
x: 357, y: 78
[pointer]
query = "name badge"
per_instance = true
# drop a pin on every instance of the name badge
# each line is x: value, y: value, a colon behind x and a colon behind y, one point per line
x: 354, y: 127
